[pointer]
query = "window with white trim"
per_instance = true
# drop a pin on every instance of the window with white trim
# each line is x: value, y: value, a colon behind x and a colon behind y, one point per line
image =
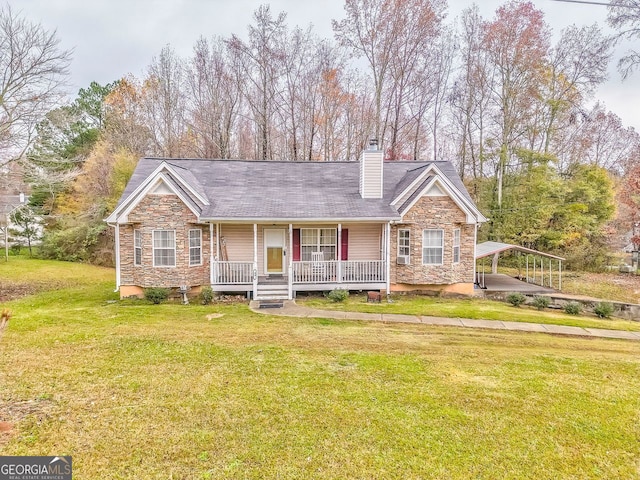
x: 318, y: 240
x: 456, y: 245
x: 404, y: 242
x: 195, y: 247
x: 137, y: 248
x: 432, y: 246
x: 164, y: 248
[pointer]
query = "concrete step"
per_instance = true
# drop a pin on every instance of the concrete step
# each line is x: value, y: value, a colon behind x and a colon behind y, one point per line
x: 262, y: 298
x: 271, y: 304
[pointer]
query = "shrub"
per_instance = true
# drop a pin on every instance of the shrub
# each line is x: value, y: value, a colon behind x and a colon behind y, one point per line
x: 156, y: 295
x: 604, y: 309
x: 541, y: 302
x: 16, y: 248
x: 572, y: 308
x: 516, y: 299
x: 206, y: 295
x: 338, y: 295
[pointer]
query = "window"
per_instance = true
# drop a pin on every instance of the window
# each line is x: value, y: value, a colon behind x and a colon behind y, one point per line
x: 164, y: 248
x: 137, y: 248
x: 404, y: 245
x: 318, y: 240
x: 456, y: 245
x: 195, y: 247
x: 432, y: 247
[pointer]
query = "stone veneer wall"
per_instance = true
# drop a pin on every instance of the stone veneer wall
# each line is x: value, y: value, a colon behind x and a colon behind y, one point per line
x: 162, y: 212
x: 434, y: 213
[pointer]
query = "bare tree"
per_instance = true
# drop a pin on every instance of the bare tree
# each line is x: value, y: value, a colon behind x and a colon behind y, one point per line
x: 214, y: 99
x: 393, y: 36
x: 165, y: 104
x: 259, y: 63
x: 624, y: 16
x: 33, y: 74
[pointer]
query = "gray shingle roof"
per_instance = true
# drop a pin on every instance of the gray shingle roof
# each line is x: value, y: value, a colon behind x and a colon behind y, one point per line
x: 243, y: 190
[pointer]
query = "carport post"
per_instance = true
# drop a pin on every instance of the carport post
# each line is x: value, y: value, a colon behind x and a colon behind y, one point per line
x: 527, y: 268
x: 550, y: 274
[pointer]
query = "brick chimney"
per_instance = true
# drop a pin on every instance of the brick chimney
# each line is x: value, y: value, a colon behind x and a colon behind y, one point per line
x: 371, y: 168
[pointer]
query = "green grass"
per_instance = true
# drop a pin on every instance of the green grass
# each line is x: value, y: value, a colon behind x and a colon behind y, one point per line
x: 475, y: 308
x: 134, y: 390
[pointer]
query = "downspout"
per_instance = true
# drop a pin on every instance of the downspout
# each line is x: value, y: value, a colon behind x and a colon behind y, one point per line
x: 387, y: 233
x: 117, y: 245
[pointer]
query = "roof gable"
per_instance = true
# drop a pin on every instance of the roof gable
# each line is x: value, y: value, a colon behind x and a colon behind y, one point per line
x: 162, y: 180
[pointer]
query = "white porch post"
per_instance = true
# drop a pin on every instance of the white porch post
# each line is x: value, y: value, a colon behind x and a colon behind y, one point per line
x: 117, y: 233
x: 218, y: 241
x: 339, y: 259
x: 255, y: 260
x: 387, y: 234
x: 290, y: 267
x: 211, y: 265
x: 476, y: 277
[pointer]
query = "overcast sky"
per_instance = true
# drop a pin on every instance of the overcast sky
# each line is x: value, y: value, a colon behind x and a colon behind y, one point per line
x: 112, y: 38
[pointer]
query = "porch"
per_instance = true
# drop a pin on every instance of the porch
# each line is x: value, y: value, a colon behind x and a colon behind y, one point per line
x: 277, y: 260
x: 302, y: 276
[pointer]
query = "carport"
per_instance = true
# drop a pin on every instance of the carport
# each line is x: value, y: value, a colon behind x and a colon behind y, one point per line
x: 541, y: 269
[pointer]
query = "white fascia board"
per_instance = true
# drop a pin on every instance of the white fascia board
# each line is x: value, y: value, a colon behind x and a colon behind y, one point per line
x: 479, y: 217
x: 186, y: 185
x: 123, y: 215
x: 133, y: 195
x: 412, y: 185
x: 299, y: 220
x: 139, y: 193
x: 452, y: 193
x: 449, y: 186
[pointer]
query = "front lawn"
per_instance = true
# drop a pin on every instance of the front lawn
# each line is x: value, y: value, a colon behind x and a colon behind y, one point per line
x: 133, y: 390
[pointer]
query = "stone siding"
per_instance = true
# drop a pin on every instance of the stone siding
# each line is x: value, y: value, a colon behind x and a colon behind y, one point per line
x: 162, y: 212
x: 434, y: 212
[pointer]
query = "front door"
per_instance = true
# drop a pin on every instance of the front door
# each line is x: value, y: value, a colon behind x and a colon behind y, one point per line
x: 274, y: 250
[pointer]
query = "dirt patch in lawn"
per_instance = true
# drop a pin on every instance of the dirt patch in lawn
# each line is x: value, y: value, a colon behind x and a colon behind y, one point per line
x: 12, y: 412
x: 13, y: 290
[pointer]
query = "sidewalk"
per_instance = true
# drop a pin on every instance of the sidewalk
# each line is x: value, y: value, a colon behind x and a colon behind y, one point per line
x: 291, y: 309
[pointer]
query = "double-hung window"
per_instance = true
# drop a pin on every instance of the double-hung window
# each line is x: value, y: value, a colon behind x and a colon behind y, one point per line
x: 137, y: 248
x: 318, y: 240
x: 432, y: 246
x: 164, y: 248
x: 195, y: 247
x: 456, y: 245
x: 404, y: 243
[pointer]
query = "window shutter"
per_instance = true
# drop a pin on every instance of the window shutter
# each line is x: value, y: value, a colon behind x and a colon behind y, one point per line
x: 296, y: 245
x: 345, y: 244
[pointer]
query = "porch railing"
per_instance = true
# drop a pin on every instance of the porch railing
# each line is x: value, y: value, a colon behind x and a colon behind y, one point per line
x: 333, y: 271
x: 232, y: 273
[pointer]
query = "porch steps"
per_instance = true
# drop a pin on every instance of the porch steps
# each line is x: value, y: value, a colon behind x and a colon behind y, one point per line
x: 272, y: 291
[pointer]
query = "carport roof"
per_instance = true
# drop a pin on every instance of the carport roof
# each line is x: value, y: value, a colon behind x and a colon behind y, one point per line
x: 488, y: 249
